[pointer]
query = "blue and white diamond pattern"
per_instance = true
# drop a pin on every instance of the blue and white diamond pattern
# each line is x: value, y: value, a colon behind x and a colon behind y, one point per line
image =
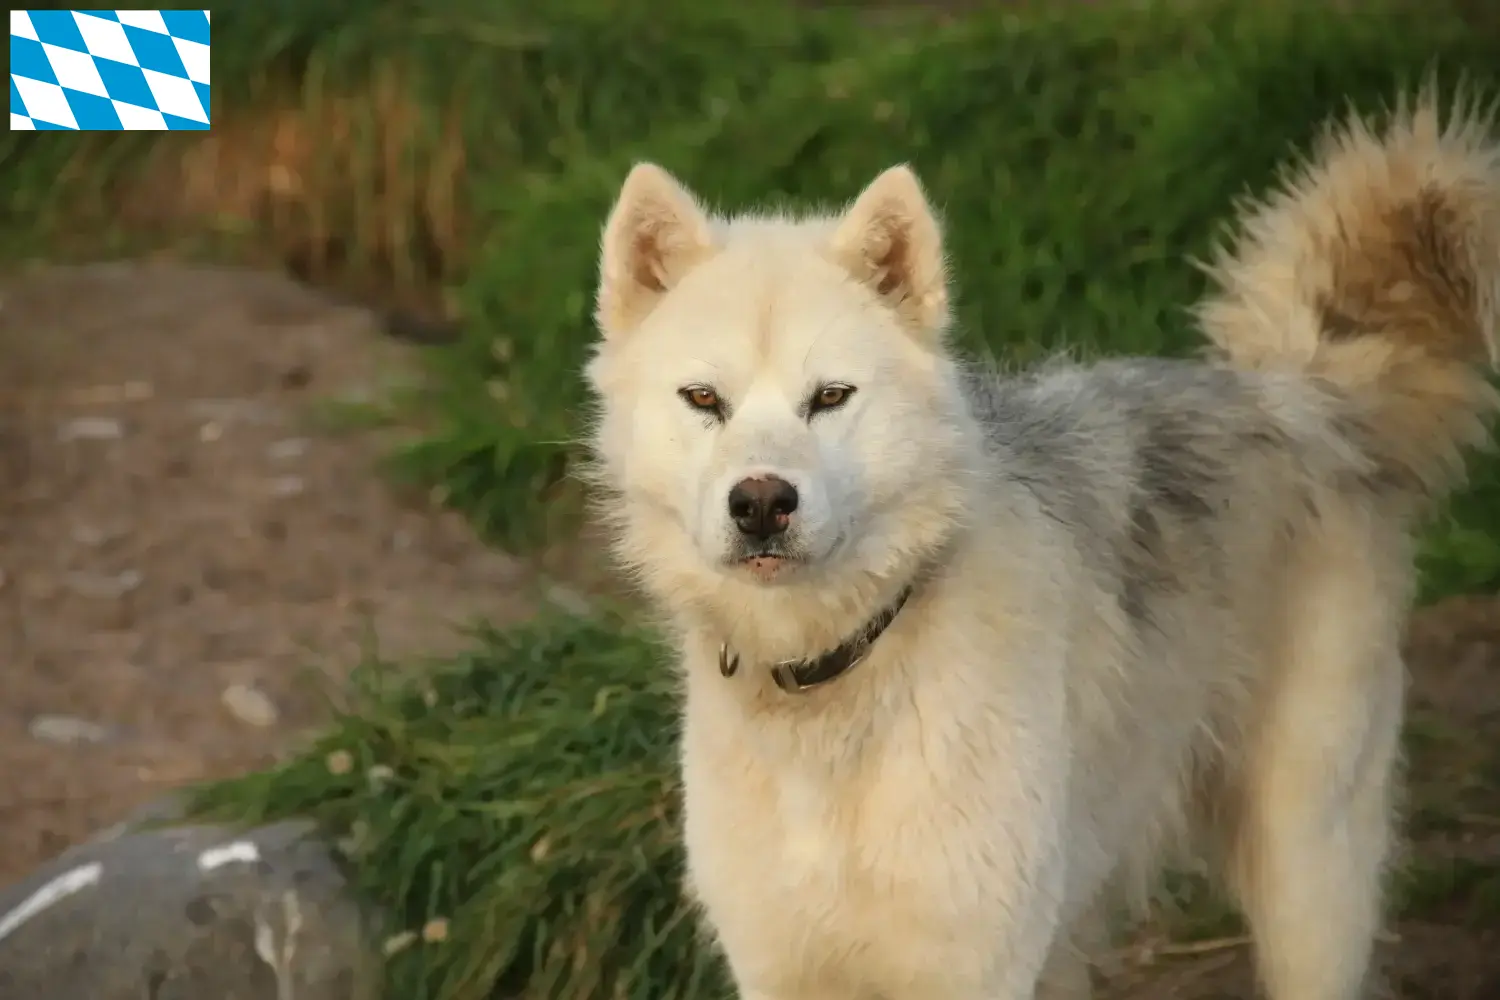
x: 109, y: 70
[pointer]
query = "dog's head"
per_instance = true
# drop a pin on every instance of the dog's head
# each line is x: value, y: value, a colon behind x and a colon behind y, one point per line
x: 775, y: 400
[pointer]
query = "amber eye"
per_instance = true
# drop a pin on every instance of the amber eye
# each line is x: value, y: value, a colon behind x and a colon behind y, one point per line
x: 700, y: 397
x: 832, y: 395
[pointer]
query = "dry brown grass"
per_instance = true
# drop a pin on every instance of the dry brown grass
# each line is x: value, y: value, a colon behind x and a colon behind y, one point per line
x: 346, y: 187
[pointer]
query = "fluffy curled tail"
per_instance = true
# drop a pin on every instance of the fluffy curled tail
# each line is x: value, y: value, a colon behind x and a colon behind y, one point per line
x: 1376, y: 268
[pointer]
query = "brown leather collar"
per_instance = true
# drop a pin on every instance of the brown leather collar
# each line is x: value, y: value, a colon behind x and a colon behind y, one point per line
x: 799, y: 676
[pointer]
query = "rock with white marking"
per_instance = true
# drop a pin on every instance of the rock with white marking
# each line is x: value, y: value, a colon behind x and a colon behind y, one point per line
x: 188, y: 912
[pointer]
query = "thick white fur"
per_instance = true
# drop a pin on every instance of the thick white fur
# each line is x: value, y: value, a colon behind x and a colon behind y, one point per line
x: 945, y: 821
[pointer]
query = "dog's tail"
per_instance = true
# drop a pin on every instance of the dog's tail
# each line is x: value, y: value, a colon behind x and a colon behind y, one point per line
x: 1376, y: 269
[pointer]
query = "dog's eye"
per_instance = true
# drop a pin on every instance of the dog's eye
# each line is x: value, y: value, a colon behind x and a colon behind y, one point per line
x: 830, y: 396
x: 701, y: 397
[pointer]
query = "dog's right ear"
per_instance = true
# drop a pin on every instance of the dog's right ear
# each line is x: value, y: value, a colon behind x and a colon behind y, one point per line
x: 656, y: 233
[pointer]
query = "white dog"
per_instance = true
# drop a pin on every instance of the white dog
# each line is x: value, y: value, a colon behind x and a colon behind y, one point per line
x: 965, y: 654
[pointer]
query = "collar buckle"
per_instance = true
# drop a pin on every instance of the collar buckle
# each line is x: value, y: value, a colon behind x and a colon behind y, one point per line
x: 789, y: 680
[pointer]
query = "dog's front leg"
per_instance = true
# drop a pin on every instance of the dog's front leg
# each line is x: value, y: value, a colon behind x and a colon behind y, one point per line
x: 995, y: 950
x: 998, y: 958
x: 1002, y: 859
x: 1022, y: 935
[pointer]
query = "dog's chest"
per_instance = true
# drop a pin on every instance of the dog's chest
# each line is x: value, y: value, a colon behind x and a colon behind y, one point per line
x: 820, y: 829
x: 836, y: 865
x: 800, y: 828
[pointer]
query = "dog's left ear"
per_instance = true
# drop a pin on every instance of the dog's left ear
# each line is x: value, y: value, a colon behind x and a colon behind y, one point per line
x: 655, y: 234
x: 890, y: 240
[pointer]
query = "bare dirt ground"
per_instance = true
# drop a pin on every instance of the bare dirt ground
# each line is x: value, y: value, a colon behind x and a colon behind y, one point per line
x: 182, y: 536
x: 185, y: 542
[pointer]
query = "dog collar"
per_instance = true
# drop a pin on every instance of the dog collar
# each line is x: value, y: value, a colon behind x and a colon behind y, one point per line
x: 798, y: 676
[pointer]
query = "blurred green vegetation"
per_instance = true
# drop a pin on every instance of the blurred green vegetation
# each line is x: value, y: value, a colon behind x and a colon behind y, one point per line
x: 1082, y: 153
x: 1082, y: 158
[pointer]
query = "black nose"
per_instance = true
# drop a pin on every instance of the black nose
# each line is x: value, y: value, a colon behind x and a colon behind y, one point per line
x: 762, y: 507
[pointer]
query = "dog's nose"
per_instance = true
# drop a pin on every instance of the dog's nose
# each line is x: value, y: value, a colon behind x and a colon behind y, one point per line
x: 762, y: 507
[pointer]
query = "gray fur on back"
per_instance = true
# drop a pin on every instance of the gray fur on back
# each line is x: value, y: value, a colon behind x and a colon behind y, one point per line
x: 1149, y: 464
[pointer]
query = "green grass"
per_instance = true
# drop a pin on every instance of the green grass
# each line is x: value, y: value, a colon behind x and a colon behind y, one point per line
x: 457, y: 93
x: 1455, y: 889
x: 526, y: 792
x: 1081, y: 160
x: 1083, y: 155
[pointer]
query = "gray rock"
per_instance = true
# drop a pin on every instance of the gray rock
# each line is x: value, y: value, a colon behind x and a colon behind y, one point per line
x: 287, y: 449
x: 163, y: 811
x: 102, y: 586
x: 250, y: 705
x: 91, y: 429
x: 92, y: 536
x: 288, y: 486
x: 568, y: 599
x: 67, y: 729
x: 233, y: 411
x: 187, y: 913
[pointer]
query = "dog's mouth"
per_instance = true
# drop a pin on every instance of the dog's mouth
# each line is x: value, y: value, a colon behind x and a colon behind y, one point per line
x: 774, y: 562
x: 766, y: 563
x: 765, y: 566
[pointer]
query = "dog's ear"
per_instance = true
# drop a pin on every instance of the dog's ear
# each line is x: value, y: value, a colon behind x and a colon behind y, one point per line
x: 655, y: 234
x: 890, y: 240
